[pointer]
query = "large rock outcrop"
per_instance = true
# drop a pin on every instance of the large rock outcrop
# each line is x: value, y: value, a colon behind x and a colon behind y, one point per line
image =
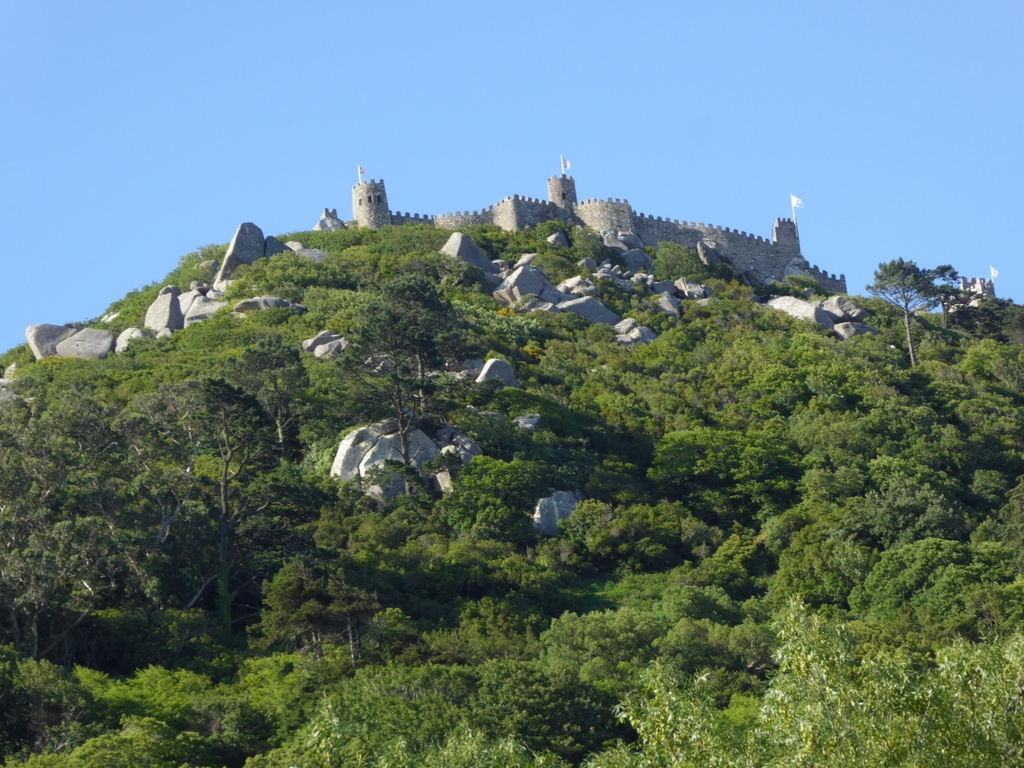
x: 202, y: 308
x: 363, y: 454
x: 498, y: 370
x: 578, y: 286
x: 630, y: 332
x: 6, y: 395
x: 125, y: 337
x: 165, y: 311
x: 247, y: 246
x: 370, y: 446
x: 553, y: 509
x: 528, y: 281
x: 88, y: 343
x: 844, y: 331
x: 461, y: 247
x: 313, y: 254
x: 558, y: 239
x: 43, y: 339
x: 843, y: 310
x: 837, y: 313
x: 637, y: 260
x: 325, y: 344
x: 590, y: 309
x: 802, y: 310
x: 272, y: 246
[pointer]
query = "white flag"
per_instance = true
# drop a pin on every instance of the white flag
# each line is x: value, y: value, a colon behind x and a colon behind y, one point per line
x: 994, y: 273
x: 795, y: 201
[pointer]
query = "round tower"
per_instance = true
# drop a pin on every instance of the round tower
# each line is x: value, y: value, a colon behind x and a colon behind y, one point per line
x: 370, y: 204
x: 562, y: 191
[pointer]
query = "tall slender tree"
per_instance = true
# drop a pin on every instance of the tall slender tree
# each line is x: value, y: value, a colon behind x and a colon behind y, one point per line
x: 909, y: 288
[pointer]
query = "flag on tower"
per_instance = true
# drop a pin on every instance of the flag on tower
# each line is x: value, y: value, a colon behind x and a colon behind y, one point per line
x: 995, y: 274
x: 361, y: 171
x: 795, y: 201
x: 565, y: 164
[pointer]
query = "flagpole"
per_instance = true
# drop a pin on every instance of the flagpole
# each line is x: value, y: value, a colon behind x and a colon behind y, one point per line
x: 561, y: 165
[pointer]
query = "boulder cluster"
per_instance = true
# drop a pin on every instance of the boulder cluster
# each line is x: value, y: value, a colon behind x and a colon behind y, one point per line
x: 526, y: 287
x: 364, y: 452
x: 837, y: 314
x: 364, y: 455
x: 173, y: 309
x: 325, y: 344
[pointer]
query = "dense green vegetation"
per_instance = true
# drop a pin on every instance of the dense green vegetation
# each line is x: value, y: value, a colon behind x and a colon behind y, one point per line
x: 793, y: 550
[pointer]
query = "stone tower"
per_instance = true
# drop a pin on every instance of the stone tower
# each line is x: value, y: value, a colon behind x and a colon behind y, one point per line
x: 370, y: 204
x: 784, y: 233
x: 562, y: 192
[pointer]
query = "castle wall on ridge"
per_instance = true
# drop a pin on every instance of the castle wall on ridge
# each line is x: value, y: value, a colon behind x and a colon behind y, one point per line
x: 759, y: 258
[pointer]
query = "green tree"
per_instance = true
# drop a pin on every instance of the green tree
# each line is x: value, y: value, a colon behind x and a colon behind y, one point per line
x: 306, y: 608
x: 495, y: 496
x: 240, y: 438
x: 907, y: 287
x: 947, y: 293
x: 396, y: 340
x: 272, y: 370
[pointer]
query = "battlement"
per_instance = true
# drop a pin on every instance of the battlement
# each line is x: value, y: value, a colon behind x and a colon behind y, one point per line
x: 759, y: 258
x: 983, y: 287
x: 398, y: 218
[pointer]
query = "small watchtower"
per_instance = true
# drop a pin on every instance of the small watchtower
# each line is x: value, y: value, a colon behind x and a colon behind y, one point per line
x: 784, y: 233
x: 370, y: 204
x: 562, y: 192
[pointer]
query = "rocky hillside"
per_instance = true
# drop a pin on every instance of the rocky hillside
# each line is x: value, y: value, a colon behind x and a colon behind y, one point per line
x: 408, y: 497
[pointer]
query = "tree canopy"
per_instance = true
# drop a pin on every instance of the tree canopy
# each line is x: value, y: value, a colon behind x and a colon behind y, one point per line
x: 790, y: 549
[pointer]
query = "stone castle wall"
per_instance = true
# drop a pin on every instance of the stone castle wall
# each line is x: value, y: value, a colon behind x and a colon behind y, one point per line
x: 397, y: 219
x: 601, y: 215
x: 755, y: 256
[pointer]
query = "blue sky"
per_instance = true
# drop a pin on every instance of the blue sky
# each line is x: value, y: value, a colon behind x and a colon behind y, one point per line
x: 133, y: 133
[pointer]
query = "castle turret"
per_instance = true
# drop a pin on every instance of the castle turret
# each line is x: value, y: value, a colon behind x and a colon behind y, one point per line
x: 784, y: 233
x: 370, y: 204
x: 562, y: 191
x: 982, y: 286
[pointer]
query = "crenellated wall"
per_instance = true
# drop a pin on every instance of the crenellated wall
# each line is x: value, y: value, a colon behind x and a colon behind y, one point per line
x: 411, y: 218
x: 983, y: 286
x: 607, y: 214
x: 758, y: 258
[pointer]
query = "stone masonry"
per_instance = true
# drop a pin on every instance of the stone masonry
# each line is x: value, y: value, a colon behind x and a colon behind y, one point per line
x: 761, y: 260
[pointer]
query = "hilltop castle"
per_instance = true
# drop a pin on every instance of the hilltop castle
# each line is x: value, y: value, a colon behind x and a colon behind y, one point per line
x: 760, y: 260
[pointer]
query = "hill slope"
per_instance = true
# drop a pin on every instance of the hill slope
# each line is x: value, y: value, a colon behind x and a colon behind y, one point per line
x: 761, y: 505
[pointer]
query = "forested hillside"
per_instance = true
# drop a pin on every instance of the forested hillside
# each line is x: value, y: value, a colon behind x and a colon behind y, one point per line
x: 791, y: 550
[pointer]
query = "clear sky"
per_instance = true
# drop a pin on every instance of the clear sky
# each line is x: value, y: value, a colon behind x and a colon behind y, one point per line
x: 135, y: 132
